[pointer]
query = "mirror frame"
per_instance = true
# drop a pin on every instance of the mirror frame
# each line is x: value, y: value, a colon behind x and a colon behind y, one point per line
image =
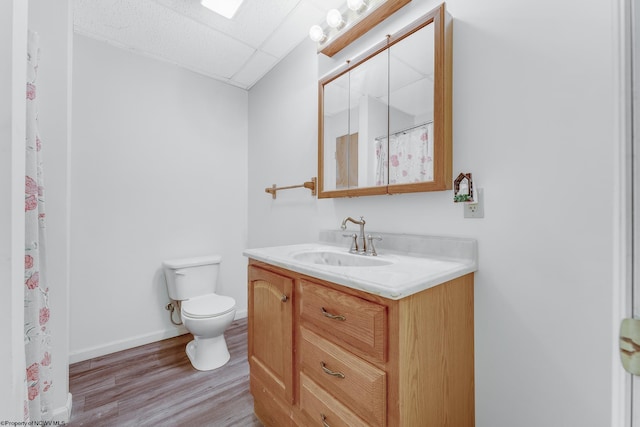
x: 442, y: 119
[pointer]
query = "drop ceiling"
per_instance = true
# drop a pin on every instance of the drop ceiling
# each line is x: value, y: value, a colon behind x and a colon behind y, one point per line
x: 239, y: 51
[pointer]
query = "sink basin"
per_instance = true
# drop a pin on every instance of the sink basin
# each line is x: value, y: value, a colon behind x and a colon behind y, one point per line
x: 339, y: 259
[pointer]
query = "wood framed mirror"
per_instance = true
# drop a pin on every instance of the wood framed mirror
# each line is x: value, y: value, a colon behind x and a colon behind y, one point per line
x: 385, y: 116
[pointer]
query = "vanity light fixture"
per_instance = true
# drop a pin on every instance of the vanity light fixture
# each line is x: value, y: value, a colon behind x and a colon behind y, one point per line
x: 358, y: 6
x: 350, y: 22
x: 316, y: 33
x: 226, y: 8
x: 334, y: 19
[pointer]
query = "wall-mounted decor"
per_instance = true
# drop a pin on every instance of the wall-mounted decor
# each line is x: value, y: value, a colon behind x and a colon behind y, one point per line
x: 463, y: 188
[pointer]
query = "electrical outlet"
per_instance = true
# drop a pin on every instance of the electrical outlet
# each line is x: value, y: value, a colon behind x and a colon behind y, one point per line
x: 475, y: 210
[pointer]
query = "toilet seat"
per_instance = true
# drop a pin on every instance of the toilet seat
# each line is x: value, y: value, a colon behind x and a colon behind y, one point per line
x: 206, y: 306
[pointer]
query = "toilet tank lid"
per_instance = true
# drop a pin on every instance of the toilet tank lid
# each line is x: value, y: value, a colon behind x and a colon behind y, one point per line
x: 192, y: 262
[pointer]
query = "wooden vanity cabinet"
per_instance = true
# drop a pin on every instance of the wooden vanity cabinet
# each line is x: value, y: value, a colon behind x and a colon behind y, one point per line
x: 270, y: 346
x: 334, y: 356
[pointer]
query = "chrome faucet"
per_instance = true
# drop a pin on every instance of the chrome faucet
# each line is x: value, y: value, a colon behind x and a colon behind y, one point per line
x: 361, y: 237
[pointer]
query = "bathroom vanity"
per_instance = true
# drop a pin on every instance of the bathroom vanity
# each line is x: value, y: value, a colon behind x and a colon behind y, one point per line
x: 367, y: 341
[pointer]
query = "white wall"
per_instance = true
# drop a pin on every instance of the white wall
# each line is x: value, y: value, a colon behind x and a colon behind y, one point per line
x: 159, y: 172
x: 283, y: 123
x: 534, y: 122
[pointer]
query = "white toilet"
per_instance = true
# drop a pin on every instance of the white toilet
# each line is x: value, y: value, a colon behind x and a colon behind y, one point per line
x: 192, y: 282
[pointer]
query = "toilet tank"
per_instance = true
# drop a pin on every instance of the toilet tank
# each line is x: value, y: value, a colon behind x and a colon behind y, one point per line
x: 191, y: 277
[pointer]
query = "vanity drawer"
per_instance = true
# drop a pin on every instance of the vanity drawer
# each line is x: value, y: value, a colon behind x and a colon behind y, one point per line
x: 356, y: 383
x: 322, y: 409
x: 352, y: 322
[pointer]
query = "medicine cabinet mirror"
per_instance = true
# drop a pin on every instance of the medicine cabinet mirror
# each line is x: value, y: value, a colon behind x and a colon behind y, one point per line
x: 385, y: 116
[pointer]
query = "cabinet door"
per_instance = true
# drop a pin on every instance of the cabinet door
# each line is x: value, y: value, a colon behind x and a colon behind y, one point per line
x: 270, y: 330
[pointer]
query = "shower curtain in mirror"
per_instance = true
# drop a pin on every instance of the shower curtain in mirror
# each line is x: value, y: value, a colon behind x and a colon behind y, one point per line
x: 37, y: 338
x: 407, y: 158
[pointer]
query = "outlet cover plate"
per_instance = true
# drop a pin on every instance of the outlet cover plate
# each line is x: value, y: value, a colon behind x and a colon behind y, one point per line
x: 475, y: 210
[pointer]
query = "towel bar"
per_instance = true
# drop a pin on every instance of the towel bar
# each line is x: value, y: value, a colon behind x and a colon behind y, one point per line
x: 311, y: 185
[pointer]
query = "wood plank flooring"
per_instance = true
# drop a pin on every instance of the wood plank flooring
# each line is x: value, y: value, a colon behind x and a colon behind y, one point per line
x: 155, y: 385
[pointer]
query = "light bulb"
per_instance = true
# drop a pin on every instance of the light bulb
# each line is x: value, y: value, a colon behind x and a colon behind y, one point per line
x: 334, y: 19
x: 357, y: 5
x: 317, y: 34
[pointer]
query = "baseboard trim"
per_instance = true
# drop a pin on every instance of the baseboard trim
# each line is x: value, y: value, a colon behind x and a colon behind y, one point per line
x: 63, y: 415
x: 125, y: 344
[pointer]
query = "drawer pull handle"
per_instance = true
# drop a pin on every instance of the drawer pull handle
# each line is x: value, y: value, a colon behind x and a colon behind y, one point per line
x: 332, y: 316
x: 284, y: 298
x: 330, y: 372
x: 324, y: 421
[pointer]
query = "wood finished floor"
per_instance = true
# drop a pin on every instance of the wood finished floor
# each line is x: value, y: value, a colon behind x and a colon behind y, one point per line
x: 155, y: 385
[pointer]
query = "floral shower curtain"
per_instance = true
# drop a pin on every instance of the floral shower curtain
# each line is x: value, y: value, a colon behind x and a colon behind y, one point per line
x: 406, y: 158
x: 37, y: 338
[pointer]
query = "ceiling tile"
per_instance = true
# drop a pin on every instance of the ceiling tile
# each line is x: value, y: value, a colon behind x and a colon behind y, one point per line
x: 287, y: 35
x: 259, y: 64
x: 158, y: 32
x: 238, y: 51
x: 327, y: 5
x: 252, y: 24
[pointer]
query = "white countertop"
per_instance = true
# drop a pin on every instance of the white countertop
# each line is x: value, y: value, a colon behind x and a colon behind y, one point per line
x: 427, y: 261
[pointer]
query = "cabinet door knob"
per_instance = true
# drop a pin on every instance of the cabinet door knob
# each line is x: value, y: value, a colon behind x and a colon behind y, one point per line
x: 330, y: 372
x: 284, y: 298
x: 332, y: 316
x: 324, y: 420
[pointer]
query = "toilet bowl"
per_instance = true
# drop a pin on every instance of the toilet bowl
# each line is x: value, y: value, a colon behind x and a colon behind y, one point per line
x: 207, y: 317
x: 205, y: 314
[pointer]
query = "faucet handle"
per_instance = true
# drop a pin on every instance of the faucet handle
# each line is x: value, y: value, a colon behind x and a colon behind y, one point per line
x: 354, y: 242
x: 371, y: 250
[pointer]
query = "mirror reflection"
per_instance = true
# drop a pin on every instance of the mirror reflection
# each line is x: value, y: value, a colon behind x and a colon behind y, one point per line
x: 377, y: 120
x: 411, y: 100
x: 355, y: 113
x: 370, y: 102
x: 336, y: 133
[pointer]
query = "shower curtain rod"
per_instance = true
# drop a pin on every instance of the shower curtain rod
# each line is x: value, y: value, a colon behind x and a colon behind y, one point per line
x: 405, y: 130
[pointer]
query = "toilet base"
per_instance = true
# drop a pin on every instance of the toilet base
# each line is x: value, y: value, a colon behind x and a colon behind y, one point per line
x: 206, y: 354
